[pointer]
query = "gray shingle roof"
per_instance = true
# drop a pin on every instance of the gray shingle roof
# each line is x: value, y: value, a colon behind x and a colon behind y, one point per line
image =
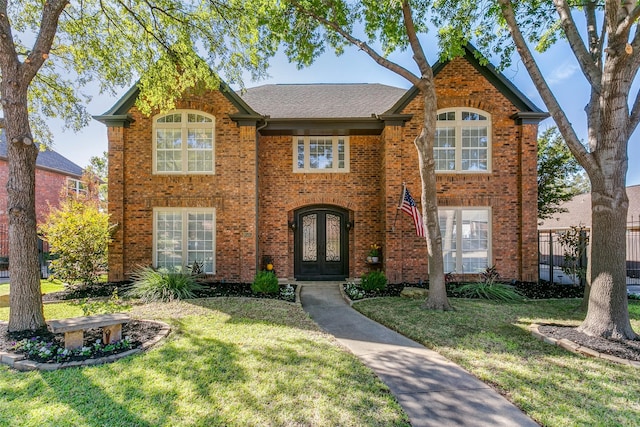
x: 293, y: 101
x: 48, y: 159
x: 579, y: 211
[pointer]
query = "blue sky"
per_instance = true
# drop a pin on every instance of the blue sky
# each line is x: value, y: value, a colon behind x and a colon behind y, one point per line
x: 558, y: 65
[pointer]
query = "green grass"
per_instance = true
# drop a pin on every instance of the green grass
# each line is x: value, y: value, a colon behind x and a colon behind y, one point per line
x: 228, y: 361
x: 46, y: 285
x: 491, y: 340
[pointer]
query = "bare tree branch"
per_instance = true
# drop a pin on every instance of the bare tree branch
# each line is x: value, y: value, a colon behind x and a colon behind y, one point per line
x: 48, y: 27
x: 634, y: 117
x: 7, y: 46
x: 572, y: 140
x: 390, y: 65
x: 416, y: 47
x: 584, y: 57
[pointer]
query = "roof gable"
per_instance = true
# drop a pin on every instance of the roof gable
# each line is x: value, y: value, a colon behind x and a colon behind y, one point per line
x: 528, y: 111
x: 47, y: 159
x: 118, y: 115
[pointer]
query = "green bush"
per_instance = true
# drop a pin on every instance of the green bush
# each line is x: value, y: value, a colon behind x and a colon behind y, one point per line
x: 490, y: 290
x: 78, y: 234
x: 373, y: 281
x: 162, y: 285
x: 265, y: 282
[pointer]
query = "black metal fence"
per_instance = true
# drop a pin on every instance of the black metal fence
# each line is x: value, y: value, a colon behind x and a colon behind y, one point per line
x: 43, y: 254
x: 559, y: 262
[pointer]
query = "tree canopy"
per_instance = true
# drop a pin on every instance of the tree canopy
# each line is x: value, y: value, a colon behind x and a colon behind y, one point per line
x: 50, y: 50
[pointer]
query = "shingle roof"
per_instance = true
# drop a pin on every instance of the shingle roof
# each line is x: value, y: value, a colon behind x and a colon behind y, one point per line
x: 48, y: 159
x: 293, y: 101
x: 579, y: 211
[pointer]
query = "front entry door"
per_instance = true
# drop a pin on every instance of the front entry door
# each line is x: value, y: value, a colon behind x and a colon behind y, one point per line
x: 321, y: 244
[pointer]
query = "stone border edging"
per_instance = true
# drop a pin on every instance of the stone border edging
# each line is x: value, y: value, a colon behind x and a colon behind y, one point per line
x: 20, y: 363
x: 578, y: 349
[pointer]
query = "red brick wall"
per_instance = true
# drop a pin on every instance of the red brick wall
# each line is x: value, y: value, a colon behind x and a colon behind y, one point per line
x: 370, y: 192
x: 510, y: 190
x: 49, y: 185
x: 134, y: 191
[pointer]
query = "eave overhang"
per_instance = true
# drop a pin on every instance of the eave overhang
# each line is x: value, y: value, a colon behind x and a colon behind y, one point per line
x: 328, y: 126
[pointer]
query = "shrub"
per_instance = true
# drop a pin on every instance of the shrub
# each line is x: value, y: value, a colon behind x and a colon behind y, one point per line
x: 265, y: 282
x: 78, y: 234
x: 162, y: 285
x: 374, y: 281
x: 489, y: 290
x: 354, y: 291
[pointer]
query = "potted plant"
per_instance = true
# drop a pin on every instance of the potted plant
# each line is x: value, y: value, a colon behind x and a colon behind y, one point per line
x: 374, y: 254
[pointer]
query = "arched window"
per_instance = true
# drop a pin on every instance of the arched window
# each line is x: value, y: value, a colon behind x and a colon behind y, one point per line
x: 183, y: 143
x: 463, y: 140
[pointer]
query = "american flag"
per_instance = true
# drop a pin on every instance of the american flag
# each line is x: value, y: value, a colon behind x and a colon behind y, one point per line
x: 408, y: 205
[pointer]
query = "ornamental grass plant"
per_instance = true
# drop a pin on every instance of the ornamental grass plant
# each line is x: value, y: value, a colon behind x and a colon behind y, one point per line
x: 162, y: 285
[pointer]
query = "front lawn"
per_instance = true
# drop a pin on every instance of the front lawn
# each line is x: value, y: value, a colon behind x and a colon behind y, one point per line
x: 228, y: 361
x: 47, y: 286
x: 491, y: 340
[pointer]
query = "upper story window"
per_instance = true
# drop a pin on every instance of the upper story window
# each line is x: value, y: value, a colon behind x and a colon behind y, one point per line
x: 463, y: 141
x: 321, y: 154
x: 183, y: 143
x: 75, y: 186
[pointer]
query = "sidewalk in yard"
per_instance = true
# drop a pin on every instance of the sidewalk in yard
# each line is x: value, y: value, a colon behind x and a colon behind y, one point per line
x: 432, y: 390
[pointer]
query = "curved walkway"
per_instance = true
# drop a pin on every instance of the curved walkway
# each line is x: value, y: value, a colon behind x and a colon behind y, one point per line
x: 432, y: 390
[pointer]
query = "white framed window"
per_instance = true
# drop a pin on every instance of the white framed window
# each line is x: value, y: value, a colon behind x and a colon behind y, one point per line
x: 321, y: 154
x: 463, y: 140
x: 466, y: 239
x: 184, y: 143
x: 182, y: 236
x: 76, y: 186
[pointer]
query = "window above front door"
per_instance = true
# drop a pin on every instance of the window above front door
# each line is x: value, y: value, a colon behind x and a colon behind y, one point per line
x: 320, y: 154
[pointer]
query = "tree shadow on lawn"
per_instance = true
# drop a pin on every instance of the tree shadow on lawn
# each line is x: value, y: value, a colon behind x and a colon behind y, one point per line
x: 70, y: 397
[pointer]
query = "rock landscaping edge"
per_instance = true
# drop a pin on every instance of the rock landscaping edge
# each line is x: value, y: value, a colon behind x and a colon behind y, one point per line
x: 20, y: 363
x: 578, y: 349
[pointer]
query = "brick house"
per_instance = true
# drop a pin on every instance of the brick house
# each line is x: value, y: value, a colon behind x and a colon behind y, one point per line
x: 310, y: 176
x: 54, y: 173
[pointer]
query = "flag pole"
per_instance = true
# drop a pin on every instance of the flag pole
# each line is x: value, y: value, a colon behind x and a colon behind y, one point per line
x: 404, y: 188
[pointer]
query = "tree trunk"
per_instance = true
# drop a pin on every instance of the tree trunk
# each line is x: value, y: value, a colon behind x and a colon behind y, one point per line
x: 608, y: 311
x: 437, y: 299
x: 25, y: 300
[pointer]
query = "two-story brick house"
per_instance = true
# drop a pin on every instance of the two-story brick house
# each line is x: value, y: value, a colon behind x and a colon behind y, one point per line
x: 311, y: 176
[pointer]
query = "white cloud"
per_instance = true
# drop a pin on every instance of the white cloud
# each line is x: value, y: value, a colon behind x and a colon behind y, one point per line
x: 563, y: 72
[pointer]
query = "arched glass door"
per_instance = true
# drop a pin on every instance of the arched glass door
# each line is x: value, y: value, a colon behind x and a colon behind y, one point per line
x: 321, y: 244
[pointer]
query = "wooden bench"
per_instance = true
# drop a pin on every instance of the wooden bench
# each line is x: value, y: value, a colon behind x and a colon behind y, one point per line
x: 74, y: 328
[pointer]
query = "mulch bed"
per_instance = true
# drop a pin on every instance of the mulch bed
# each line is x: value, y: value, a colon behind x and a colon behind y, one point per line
x: 140, y: 331
x: 625, y: 349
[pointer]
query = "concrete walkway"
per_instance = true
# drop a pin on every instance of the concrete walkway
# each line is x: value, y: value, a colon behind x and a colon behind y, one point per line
x: 432, y: 390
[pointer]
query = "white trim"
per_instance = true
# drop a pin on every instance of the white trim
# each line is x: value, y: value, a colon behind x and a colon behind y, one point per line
x: 459, y: 235
x: 184, y: 126
x: 185, y: 250
x: 458, y: 124
x: 335, y: 146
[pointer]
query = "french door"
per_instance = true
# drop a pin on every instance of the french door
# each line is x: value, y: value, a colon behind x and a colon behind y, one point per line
x: 321, y: 244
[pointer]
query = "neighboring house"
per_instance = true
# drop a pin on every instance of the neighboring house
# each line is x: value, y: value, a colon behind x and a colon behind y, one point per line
x: 578, y: 212
x: 54, y: 173
x: 310, y: 176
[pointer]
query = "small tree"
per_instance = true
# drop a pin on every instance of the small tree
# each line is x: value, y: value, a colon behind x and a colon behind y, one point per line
x: 560, y: 176
x: 79, y: 234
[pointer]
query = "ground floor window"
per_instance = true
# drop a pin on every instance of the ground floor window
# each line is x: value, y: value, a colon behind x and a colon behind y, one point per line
x: 183, y: 236
x: 466, y: 239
